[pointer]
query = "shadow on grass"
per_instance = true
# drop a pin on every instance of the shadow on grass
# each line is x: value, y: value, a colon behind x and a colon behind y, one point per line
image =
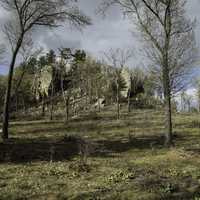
x: 40, y: 131
x: 30, y: 150
x: 139, y: 143
x: 40, y: 149
x: 30, y: 123
x: 115, y: 195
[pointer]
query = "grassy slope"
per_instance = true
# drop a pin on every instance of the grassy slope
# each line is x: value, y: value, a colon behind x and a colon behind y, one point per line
x: 127, y: 160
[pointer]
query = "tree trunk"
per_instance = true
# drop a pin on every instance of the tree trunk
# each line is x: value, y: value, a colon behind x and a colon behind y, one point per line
x: 168, y: 107
x: 51, y: 112
x: 98, y: 96
x: 189, y: 106
x: 181, y: 102
x: 19, y: 82
x: 168, y: 122
x: 52, y: 94
x: 8, y: 90
x: 118, y: 106
x: 129, y: 101
x: 23, y: 103
x: 16, y: 103
x: 67, y: 109
x: 65, y: 99
x: 199, y: 103
x: 43, y: 105
x: 99, y: 105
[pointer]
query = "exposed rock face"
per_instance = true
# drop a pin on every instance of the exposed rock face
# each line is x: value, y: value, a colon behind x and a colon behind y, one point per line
x: 67, y: 68
x: 100, y: 103
x: 45, y: 79
x: 125, y: 74
x: 65, y: 63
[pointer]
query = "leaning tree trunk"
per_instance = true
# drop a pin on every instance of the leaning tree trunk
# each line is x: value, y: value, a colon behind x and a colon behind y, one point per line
x: 8, y: 90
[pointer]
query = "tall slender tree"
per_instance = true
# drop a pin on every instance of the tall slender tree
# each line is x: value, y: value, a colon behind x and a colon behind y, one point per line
x: 169, y: 36
x: 51, y: 58
x: 27, y: 16
x: 117, y: 58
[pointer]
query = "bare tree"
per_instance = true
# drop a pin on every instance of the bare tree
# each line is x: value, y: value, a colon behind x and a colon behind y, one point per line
x: 27, y: 55
x: 170, y: 40
x: 196, y: 85
x: 65, y: 93
x: 118, y: 58
x: 186, y: 101
x: 27, y: 16
x: 124, y: 55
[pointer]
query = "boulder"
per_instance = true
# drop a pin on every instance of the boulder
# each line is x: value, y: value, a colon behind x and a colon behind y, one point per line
x: 100, y: 102
x: 125, y: 74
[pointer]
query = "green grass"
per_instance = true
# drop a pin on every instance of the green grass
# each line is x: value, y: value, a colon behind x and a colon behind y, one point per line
x: 125, y: 158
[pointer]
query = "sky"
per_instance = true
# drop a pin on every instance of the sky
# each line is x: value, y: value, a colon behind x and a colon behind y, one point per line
x: 113, y: 31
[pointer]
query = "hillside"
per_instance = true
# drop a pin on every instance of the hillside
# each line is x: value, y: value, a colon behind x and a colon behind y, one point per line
x: 96, y: 156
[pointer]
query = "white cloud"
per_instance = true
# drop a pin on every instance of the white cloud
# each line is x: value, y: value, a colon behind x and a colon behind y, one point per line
x: 113, y: 31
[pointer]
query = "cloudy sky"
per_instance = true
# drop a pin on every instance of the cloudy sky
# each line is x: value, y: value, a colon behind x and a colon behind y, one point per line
x: 111, y: 32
